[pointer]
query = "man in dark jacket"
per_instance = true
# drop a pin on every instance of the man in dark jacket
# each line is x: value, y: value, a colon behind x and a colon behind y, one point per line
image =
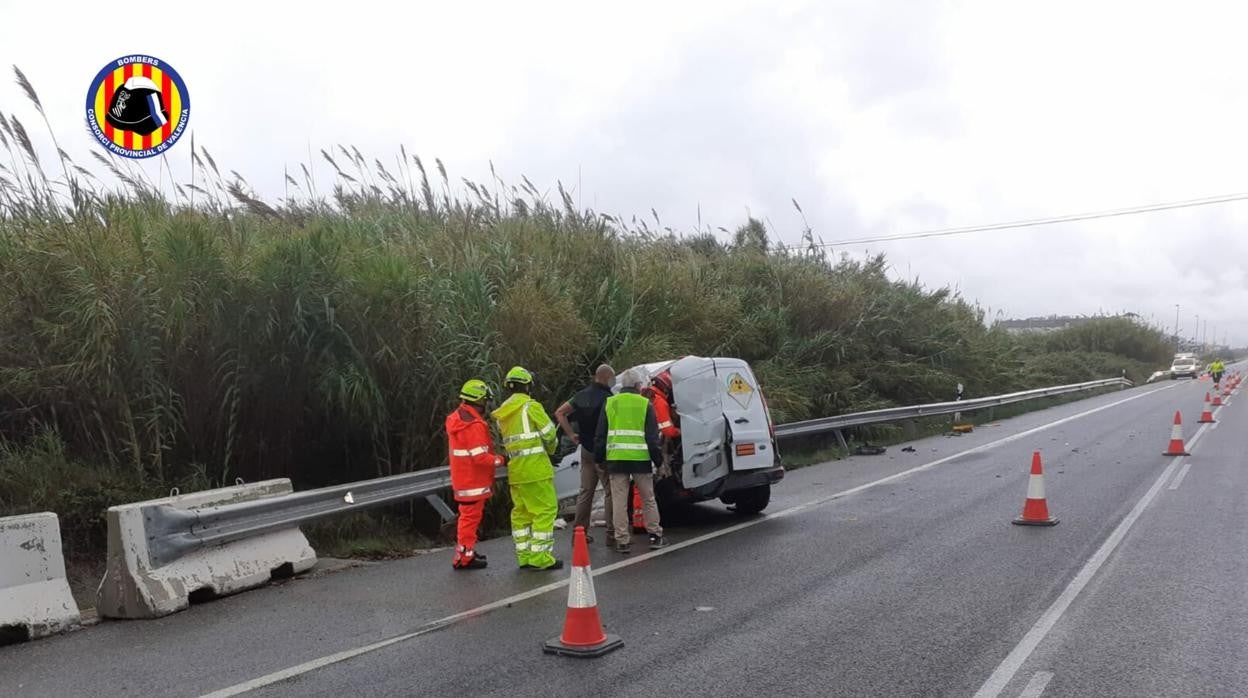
x: 584, y: 408
x: 627, y: 441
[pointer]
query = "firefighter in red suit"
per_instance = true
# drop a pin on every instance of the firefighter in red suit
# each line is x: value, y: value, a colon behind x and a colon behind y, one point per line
x: 472, y: 468
x: 660, y: 394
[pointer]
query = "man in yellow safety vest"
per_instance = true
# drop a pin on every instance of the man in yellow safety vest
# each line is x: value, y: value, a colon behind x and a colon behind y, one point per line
x: 529, y: 438
x: 628, y: 442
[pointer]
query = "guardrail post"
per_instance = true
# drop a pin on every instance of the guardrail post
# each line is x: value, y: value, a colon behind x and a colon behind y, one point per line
x: 910, y: 428
x: 840, y: 439
x: 992, y: 411
x: 440, y: 506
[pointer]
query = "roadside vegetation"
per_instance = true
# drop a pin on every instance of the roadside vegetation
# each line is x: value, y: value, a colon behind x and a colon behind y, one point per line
x: 160, y: 334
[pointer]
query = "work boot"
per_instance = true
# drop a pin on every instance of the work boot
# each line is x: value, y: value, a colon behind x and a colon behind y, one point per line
x: 475, y: 563
x: 623, y: 548
x: 657, y: 542
x: 558, y: 565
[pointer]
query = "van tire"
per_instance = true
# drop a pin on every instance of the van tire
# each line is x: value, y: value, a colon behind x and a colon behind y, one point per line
x: 750, y: 501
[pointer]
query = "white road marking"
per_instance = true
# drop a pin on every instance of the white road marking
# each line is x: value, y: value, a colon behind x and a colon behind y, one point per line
x: 1014, y: 660
x: 1036, y: 685
x: 319, y: 663
x: 1178, y: 479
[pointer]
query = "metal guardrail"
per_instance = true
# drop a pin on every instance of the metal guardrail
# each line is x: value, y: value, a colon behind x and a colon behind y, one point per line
x: 897, y: 414
x: 172, y: 532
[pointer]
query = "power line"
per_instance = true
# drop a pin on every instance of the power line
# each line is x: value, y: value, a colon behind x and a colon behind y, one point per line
x: 1032, y: 222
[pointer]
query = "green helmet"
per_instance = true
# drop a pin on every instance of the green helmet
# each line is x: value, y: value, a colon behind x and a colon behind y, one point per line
x: 518, y: 375
x: 475, y: 390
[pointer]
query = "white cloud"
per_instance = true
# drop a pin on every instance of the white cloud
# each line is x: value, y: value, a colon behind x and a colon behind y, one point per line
x: 879, y: 118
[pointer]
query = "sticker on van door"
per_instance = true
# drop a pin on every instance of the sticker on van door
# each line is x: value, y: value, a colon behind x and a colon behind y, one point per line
x: 739, y: 390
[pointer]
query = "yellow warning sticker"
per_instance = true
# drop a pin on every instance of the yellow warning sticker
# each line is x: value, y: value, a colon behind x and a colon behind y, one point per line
x: 739, y: 390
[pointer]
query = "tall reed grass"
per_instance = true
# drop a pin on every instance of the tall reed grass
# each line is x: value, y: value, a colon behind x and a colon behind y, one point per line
x: 185, y: 333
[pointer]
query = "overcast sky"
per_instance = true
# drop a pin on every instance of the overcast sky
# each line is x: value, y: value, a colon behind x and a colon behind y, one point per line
x: 878, y: 117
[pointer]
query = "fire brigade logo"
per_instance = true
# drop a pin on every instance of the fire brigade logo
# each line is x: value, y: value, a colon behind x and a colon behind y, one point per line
x: 739, y: 390
x: 138, y: 106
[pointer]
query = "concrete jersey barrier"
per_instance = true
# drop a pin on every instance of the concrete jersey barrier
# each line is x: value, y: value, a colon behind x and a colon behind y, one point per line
x: 35, y: 600
x: 135, y: 587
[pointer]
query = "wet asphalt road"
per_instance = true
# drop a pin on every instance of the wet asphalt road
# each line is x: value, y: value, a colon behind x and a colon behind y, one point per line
x: 915, y: 586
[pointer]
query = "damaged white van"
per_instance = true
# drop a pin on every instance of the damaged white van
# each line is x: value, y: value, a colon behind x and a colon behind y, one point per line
x: 727, y: 446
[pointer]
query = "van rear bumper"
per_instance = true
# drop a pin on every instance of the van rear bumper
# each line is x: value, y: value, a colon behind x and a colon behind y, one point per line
x: 739, y: 480
x: 746, y: 479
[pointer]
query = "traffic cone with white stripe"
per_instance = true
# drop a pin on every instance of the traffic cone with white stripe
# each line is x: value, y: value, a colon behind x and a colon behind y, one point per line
x: 582, y: 628
x: 639, y: 519
x: 1217, y: 398
x: 1206, y: 417
x: 1036, y: 508
x: 1176, y: 436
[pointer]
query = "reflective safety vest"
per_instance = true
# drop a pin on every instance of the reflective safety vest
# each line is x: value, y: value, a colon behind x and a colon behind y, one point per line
x: 663, y: 413
x: 471, y: 457
x: 528, y: 438
x: 626, y: 427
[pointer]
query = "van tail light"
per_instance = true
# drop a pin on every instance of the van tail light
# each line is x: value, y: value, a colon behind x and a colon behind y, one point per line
x: 745, y: 449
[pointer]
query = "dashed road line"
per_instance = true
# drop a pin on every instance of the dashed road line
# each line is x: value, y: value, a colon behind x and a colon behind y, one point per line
x: 1036, y: 685
x: 1178, y: 479
x: 1014, y: 661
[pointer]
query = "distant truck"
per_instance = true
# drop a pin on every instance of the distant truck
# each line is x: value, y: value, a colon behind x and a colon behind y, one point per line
x: 727, y: 443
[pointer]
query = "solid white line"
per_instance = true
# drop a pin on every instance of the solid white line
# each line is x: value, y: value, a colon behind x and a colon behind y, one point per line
x: 313, y: 665
x: 1178, y: 479
x: 1015, y: 659
x: 1036, y: 685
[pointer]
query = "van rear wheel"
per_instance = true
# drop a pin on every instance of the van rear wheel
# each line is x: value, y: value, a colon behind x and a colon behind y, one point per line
x: 750, y: 501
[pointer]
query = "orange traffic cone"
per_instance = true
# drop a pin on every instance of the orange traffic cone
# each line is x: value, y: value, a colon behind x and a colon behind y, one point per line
x: 582, y: 628
x: 1036, y: 508
x: 1176, y: 437
x: 1217, y: 398
x: 639, y: 520
x: 1206, y: 417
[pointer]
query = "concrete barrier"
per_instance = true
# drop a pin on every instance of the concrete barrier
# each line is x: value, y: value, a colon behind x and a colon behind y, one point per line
x: 34, y: 595
x: 135, y: 587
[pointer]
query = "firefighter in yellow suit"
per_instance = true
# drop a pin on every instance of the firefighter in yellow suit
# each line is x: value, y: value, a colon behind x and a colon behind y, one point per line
x: 529, y: 438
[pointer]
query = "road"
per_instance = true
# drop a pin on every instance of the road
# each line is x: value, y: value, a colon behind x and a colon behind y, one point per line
x: 892, y: 575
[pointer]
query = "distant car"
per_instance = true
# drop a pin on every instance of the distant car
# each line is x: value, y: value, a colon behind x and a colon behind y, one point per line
x: 1185, y: 366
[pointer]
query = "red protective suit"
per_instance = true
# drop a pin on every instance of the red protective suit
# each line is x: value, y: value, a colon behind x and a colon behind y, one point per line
x: 472, y: 474
x: 663, y: 413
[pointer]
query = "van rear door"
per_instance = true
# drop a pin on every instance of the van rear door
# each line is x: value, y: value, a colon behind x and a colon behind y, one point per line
x: 749, y: 446
x: 702, y: 434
